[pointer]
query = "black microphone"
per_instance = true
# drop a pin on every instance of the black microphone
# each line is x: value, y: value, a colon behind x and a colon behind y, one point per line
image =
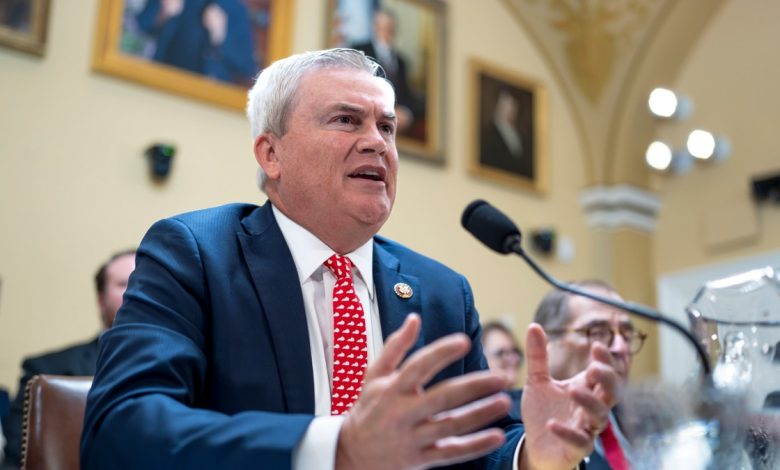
x: 499, y: 233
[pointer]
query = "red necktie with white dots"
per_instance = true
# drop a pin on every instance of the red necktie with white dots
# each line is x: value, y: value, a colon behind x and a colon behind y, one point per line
x: 612, y: 450
x: 350, y: 351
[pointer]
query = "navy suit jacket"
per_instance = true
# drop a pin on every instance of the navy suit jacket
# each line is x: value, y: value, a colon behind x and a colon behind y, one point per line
x: 208, y: 363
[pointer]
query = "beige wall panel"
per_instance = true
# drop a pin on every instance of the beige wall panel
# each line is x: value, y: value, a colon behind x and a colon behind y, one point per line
x: 74, y: 184
x: 732, y: 77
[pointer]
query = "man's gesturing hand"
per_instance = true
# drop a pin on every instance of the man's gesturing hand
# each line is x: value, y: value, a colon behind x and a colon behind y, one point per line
x: 396, y: 424
x: 563, y: 417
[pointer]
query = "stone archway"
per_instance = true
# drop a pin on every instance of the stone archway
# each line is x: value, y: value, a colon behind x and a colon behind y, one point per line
x: 607, y: 55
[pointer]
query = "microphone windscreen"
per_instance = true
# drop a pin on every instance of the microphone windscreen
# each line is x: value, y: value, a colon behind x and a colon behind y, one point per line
x: 489, y: 225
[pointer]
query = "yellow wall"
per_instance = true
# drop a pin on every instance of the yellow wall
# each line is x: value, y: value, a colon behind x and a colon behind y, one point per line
x: 74, y: 184
x: 731, y: 75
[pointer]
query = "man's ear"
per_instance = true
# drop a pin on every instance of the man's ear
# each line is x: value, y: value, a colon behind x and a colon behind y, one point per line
x: 266, y: 154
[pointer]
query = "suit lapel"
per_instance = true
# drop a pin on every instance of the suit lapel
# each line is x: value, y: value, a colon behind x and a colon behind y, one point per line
x: 276, y: 281
x: 393, y: 309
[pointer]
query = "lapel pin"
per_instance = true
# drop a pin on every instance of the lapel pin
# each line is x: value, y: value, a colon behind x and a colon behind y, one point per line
x: 403, y: 290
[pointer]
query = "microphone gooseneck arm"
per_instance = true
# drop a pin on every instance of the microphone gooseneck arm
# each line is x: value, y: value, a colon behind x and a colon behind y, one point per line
x: 494, y: 229
x: 639, y: 310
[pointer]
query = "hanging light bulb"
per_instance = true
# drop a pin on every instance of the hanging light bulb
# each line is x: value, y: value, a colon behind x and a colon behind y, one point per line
x: 666, y: 104
x: 658, y: 155
x: 705, y: 146
x: 701, y: 144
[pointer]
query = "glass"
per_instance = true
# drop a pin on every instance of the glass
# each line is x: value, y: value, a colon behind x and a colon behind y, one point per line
x: 605, y: 334
x: 513, y: 353
x: 731, y: 422
x: 737, y: 319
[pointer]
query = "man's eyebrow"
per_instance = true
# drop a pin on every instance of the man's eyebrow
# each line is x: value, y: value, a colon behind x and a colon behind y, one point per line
x: 593, y: 323
x: 348, y: 108
x: 358, y: 110
x: 623, y: 325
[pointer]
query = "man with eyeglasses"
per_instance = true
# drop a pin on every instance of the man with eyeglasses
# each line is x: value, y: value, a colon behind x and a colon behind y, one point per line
x: 572, y: 323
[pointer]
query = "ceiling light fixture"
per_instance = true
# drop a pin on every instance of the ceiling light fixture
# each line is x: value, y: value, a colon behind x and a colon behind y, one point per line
x: 666, y: 104
x: 704, y: 145
x: 658, y: 155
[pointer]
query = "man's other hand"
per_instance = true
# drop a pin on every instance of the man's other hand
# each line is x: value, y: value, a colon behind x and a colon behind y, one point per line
x: 563, y: 417
x: 397, y: 424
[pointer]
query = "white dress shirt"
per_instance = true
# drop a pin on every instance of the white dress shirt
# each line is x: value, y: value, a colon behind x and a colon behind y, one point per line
x: 2, y: 443
x: 317, y: 449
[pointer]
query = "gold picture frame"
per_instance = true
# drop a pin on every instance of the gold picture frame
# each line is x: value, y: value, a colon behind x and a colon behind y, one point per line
x: 414, y: 63
x: 132, y: 43
x: 509, y: 131
x: 23, y: 25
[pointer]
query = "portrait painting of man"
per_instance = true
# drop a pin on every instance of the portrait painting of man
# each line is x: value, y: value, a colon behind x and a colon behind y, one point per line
x: 509, y: 115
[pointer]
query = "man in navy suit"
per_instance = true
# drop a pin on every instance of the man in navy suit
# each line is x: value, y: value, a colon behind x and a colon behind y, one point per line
x: 222, y: 355
x: 573, y: 323
x: 409, y: 106
x: 75, y: 360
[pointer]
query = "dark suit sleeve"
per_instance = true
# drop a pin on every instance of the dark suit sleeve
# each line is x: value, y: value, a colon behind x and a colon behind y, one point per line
x: 446, y: 305
x: 149, y: 405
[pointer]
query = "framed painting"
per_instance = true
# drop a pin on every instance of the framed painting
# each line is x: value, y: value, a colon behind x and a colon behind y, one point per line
x: 406, y: 37
x: 23, y: 25
x: 509, y: 132
x: 202, y: 49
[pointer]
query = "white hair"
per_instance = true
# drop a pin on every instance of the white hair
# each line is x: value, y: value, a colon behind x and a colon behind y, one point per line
x: 270, y: 100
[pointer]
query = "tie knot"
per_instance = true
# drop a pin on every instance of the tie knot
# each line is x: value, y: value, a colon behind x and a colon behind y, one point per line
x: 340, y: 266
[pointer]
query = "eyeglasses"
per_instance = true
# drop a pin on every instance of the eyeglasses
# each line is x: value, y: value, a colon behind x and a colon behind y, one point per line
x: 605, y: 334
x: 513, y: 353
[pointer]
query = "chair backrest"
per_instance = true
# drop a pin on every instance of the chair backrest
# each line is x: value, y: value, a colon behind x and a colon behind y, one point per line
x: 53, y: 419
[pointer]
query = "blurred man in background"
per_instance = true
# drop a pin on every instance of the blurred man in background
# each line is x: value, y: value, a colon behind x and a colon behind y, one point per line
x: 76, y: 360
x: 572, y: 323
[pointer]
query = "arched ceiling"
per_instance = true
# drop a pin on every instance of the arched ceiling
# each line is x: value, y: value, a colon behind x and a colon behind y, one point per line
x: 607, y: 55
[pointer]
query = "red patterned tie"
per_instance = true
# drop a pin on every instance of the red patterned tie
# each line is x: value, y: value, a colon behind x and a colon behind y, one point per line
x: 350, y: 351
x: 612, y: 450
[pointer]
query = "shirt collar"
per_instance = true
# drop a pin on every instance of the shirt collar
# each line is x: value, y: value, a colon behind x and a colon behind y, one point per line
x: 309, y: 252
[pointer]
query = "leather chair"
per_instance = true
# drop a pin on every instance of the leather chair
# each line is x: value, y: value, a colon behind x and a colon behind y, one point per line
x: 53, y: 419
